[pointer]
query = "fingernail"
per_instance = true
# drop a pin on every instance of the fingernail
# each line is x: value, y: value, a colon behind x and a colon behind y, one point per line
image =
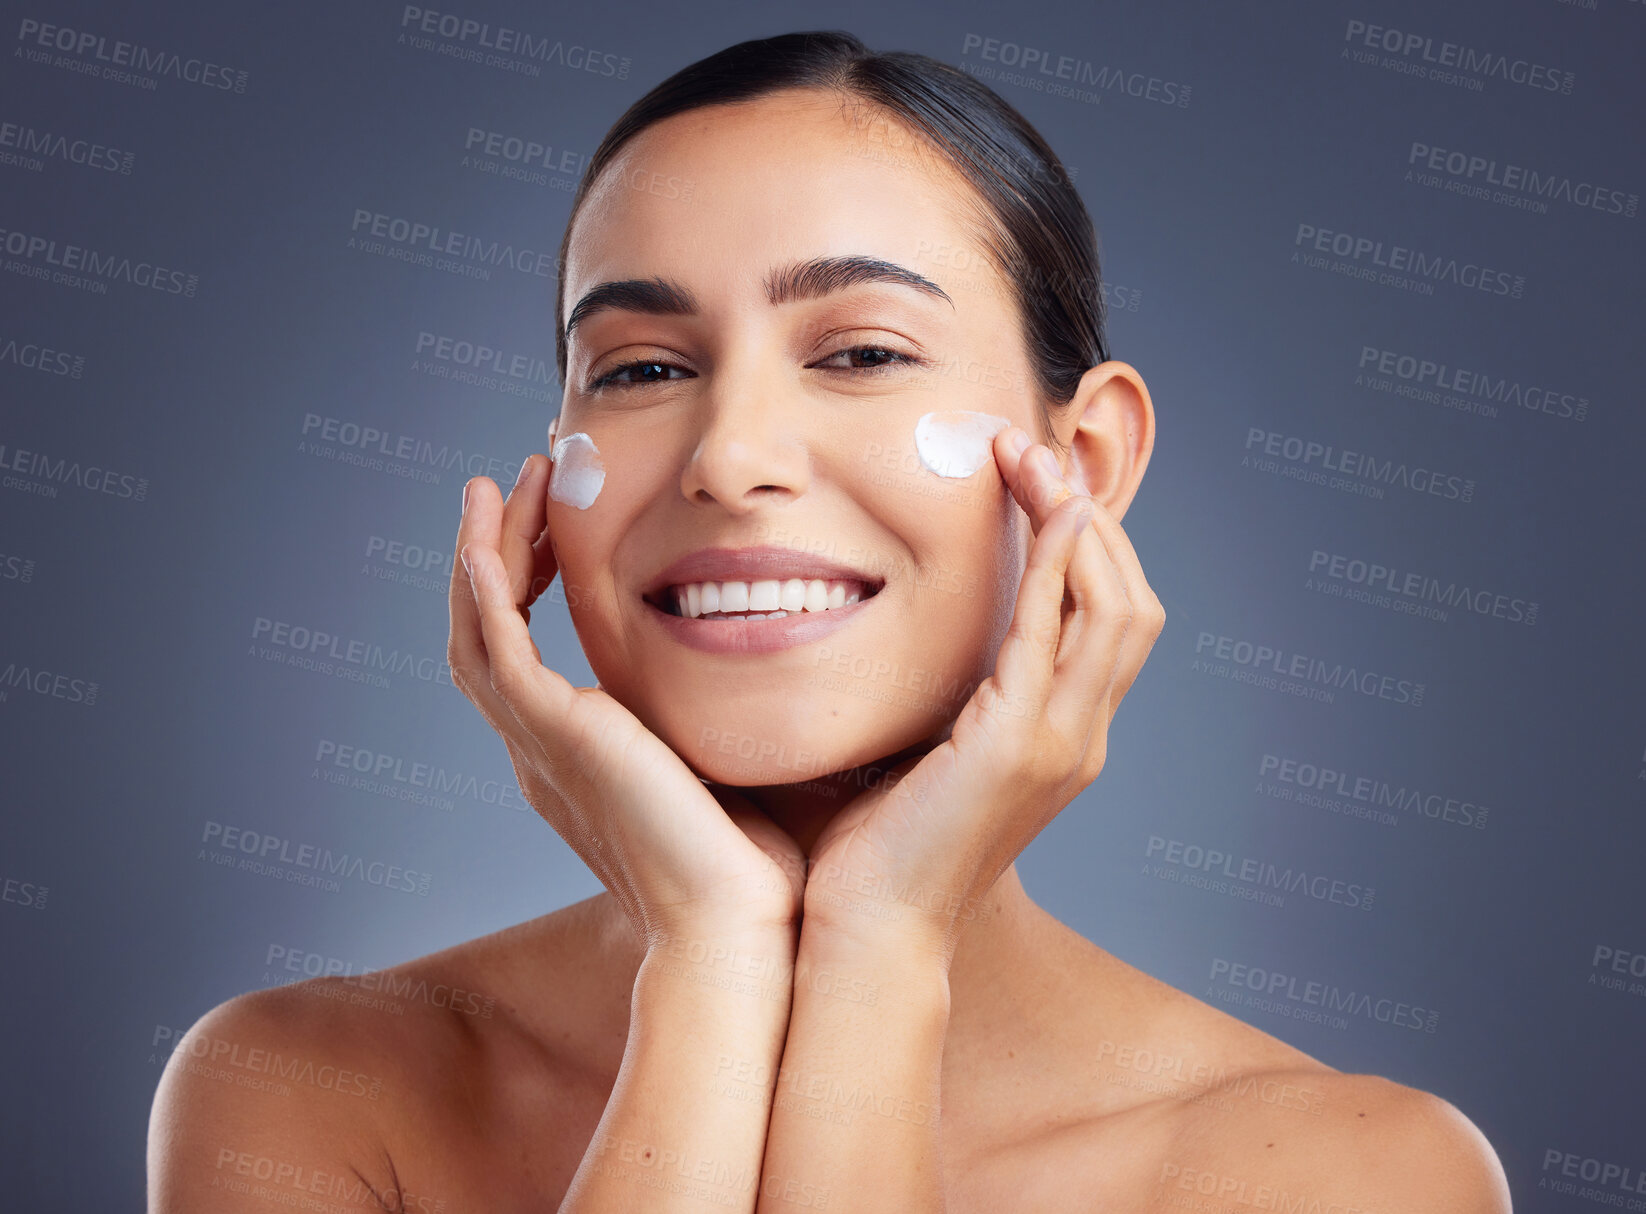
x: 521, y: 475
x: 1048, y: 462
x: 465, y: 497
x: 1019, y: 441
x: 469, y: 569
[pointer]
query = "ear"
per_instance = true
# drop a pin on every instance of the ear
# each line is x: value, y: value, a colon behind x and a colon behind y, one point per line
x: 1108, y: 427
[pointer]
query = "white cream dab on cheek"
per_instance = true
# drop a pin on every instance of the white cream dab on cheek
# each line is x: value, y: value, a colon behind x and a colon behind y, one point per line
x: 578, y: 472
x: 956, y: 443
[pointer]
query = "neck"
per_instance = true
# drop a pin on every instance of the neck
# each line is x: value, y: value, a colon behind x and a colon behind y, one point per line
x: 1004, y: 977
x: 802, y: 810
x: 1014, y: 935
x: 1012, y: 939
x: 993, y: 955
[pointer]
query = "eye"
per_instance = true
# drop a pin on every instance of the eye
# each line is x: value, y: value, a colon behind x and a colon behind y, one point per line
x: 885, y: 359
x: 892, y: 358
x: 610, y: 378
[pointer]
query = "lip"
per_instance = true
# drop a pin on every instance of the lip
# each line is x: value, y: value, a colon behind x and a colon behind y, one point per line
x: 761, y: 563
x: 735, y: 636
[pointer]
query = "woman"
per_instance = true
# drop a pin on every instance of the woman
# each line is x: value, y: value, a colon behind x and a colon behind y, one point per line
x: 835, y: 496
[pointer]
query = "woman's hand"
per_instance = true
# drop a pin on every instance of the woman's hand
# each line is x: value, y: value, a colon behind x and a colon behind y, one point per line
x: 685, y: 863
x: 921, y: 851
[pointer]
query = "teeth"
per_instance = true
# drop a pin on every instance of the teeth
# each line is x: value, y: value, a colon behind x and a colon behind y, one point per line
x: 767, y: 599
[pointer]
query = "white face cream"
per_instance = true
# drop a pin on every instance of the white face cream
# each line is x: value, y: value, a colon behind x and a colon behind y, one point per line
x: 578, y: 472
x: 956, y: 443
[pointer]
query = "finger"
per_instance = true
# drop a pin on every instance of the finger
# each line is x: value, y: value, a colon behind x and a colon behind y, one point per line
x: 524, y: 524
x: 466, y: 650
x: 465, y: 647
x: 1024, y: 669
x: 1036, y: 483
x: 544, y: 569
x: 1007, y: 455
x: 1096, y: 633
x: 1147, y: 614
x: 1121, y: 656
x: 1040, y: 488
x: 1097, y: 644
x: 539, y: 699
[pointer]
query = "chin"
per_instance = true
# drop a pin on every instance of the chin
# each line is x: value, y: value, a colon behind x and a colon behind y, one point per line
x: 767, y: 742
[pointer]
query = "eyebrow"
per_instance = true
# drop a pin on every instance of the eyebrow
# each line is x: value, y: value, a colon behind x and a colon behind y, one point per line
x: 787, y: 284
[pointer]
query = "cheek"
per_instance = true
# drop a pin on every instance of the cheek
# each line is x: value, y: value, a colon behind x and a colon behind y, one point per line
x: 956, y: 443
x: 579, y: 473
x: 583, y: 543
x: 938, y: 489
x: 963, y: 591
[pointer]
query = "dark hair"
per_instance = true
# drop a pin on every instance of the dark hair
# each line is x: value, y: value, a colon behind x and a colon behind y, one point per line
x: 1033, y: 225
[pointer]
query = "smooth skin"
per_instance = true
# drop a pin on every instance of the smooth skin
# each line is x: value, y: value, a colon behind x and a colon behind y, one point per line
x: 801, y: 989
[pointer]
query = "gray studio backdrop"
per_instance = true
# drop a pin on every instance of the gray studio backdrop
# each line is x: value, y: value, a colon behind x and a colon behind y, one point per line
x: 1380, y: 789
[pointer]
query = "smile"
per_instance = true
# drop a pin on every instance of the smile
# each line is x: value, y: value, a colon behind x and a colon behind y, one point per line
x: 781, y: 599
x: 755, y: 632
x: 765, y: 599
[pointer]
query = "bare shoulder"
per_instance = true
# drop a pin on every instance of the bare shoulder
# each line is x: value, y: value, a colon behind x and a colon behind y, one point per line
x: 1286, y: 1120
x: 1191, y: 1109
x: 1267, y: 1123
x: 394, y: 1086
x: 265, y: 1089
x: 1308, y: 1139
x: 1359, y: 1143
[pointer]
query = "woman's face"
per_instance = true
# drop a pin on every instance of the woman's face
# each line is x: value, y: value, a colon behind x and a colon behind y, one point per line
x: 754, y: 425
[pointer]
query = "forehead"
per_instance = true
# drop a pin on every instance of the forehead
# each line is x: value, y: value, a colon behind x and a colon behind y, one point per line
x: 717, y: 196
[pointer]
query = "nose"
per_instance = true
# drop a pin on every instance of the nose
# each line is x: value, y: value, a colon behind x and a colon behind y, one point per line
x: 752, y: 449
